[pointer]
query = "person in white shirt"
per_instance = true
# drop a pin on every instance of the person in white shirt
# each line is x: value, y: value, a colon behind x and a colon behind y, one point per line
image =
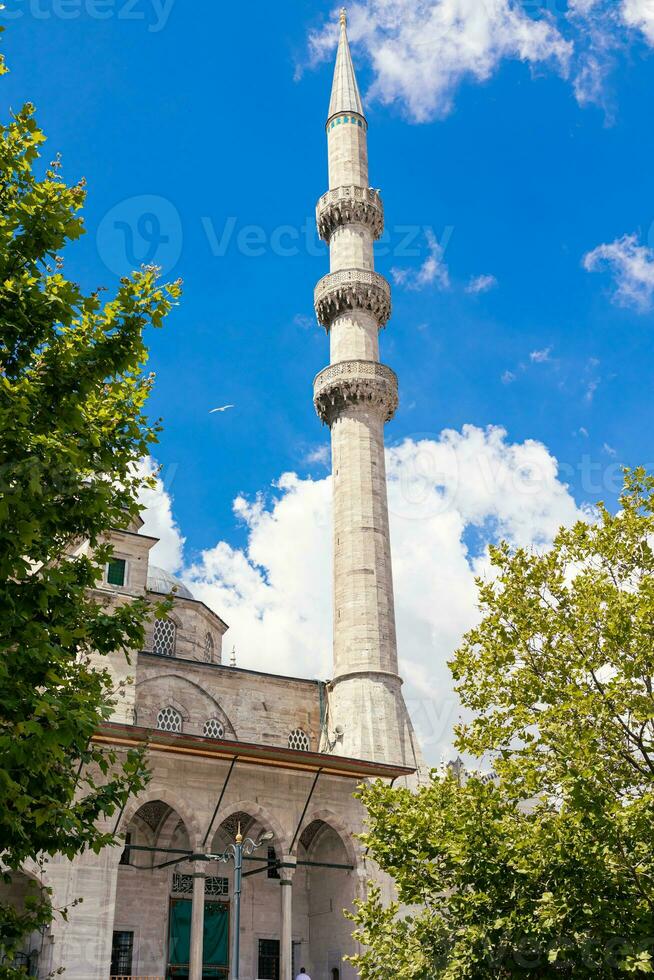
x: 303, y: 975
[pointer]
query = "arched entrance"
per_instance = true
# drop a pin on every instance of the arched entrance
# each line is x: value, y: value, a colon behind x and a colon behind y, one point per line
x: 35, y: 952
x: 260, y: 893
x: 321, y: 892
x: 146, y: 893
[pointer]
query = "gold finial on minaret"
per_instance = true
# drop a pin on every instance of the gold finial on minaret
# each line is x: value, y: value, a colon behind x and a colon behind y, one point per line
x: 239, y: 835
x: 343, y: 17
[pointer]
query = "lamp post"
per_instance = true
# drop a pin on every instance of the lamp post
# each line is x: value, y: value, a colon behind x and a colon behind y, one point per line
x: 235, y: 852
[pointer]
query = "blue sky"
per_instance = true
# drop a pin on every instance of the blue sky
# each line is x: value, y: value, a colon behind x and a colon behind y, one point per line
x: 199, y: 128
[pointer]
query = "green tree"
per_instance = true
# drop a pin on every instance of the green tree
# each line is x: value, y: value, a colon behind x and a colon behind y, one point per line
x: 547, y: 868
x: 72, y: 428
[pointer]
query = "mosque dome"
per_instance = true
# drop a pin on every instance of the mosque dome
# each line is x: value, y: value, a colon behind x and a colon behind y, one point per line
x: 163, y: 582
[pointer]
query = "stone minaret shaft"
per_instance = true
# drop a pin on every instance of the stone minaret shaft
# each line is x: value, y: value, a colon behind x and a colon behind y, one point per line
x: 355, y: 396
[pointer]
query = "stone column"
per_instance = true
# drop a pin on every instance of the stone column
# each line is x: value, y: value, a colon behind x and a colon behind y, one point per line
x: 286, y: 921
x: 197, y: 924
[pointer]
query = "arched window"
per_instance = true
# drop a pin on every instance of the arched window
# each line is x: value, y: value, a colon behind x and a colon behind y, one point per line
x: 208, y: 648
x: 164, y: 637
x: 298, y: 739
x: 169, y: 720
x: 213, y: 729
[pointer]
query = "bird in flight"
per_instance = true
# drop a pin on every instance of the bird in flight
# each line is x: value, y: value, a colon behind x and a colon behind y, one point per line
x: 221, y: 408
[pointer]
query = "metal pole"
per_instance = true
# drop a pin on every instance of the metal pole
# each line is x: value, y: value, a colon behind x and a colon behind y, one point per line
x: 236, y: 935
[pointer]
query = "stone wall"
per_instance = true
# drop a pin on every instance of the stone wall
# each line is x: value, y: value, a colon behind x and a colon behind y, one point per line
x: 255, y: 707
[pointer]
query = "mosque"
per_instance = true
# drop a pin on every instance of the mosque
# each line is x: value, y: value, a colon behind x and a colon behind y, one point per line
x: 235, y: 751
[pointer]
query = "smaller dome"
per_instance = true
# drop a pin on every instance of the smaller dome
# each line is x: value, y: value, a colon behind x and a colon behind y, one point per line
x: 161, y: 581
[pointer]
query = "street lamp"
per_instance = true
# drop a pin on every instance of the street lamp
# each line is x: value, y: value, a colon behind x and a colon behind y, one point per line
x: 236, y: 852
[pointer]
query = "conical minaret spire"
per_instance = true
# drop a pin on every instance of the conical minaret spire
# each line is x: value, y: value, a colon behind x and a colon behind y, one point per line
x: 345, y: 91
x: 355, y: 396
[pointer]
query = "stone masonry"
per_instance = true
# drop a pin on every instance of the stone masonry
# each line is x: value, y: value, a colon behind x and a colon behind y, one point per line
x: 355, y: 396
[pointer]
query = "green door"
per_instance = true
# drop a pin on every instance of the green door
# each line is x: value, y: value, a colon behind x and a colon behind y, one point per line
x: 216, y: 939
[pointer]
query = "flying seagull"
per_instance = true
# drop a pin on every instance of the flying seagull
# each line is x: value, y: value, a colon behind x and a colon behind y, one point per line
x: 221, y: 408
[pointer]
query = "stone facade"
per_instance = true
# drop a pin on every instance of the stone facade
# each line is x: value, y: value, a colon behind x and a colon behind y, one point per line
x: 228, y: 747
x: 236, y: 750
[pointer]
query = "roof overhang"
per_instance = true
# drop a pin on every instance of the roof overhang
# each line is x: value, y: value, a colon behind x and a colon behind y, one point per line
x: 249, y: 753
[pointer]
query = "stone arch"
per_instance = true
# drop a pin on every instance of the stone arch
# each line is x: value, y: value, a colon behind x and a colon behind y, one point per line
x: 261, y: 815
x: 328, y: 888
x: 208, y: 647
x: 165, y: 700
x: 38, y: 874
x: 35, y: 950
x: 174, y: 702
x: 168, y: 829
x: 332, y: 821
x: 173, y: 800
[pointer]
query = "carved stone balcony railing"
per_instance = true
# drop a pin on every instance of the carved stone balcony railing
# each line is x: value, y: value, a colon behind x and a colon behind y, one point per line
x: 349, y: 383
x: 342, y: 205
x: 352, y: 289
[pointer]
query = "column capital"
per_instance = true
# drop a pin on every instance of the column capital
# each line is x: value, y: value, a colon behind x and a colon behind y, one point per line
x: 286, y: 872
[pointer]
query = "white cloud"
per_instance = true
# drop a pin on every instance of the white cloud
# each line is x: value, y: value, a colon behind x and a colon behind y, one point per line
x: 433, y: 270
x: 582, y: 6
x: 303, y: 321
x: 422, y: 50
x: 609, y: 450
x: 640, y: 15
x: 604, y: 29
x: 481, y: 284
x: 448, y: 496
x: 318, y: 455
x: 158, y: 516
x: 508, y: 377
x: 540, y: 356
x: 598, y: 36
x: 632, y: 267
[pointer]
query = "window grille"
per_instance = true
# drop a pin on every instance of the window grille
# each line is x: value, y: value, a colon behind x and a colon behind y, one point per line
x: 169, y: 720
x: 268, y: 959
x: 208, y: 648
x: 182, y: 884
x: 213, y: 729
x: 214, y: 885
x: 122, y: 949
x: 298, y: 739
x: 163, y: 637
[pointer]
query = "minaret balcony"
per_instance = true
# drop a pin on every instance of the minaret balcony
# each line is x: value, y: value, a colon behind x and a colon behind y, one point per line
x: 345, y: 205
x: 352, y: 289
x: 349, y: 383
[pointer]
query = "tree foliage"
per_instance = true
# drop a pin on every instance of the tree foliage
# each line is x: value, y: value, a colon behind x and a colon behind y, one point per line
x: 547, y: 868
x: 72, y: 391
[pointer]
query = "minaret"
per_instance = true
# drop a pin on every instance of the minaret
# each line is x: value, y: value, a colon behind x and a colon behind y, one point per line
x: 355, y: 396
